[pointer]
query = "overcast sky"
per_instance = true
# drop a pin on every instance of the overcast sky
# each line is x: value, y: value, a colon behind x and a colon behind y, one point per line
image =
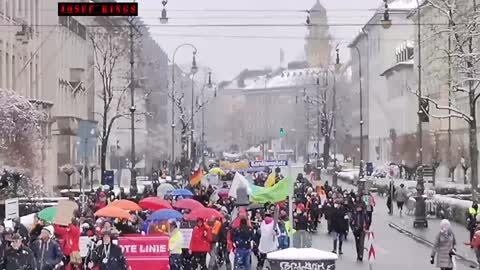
x: 229, y: 50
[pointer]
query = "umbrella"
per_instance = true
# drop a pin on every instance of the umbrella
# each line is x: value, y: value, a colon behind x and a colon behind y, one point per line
x: 126, y: 205
x: 187, y: 204
x: 154, y: 204
x: 182, y: 192
x: 164, y: 189
x: 48, y: 214
x: 113, y: 212
x: 165, y: 214
x: 203, y: 213
x: 217, y: 171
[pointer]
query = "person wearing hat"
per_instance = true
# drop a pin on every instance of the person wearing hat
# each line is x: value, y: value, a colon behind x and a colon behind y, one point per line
x: 359, y: 224
x: 18, y: 256
x: 108, y: 256
x: 175, y: 246
x: 46, y: 250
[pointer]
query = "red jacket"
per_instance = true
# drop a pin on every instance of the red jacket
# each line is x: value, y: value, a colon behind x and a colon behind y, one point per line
x: 201, y: 239
x: 69, y: 238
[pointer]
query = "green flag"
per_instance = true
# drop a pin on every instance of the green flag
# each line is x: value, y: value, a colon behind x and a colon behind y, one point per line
x: 274, y: 194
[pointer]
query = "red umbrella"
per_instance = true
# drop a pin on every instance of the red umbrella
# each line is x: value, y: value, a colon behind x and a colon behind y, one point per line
x: 154, y: 204
x: 203, y: 213
x: 187, y: 204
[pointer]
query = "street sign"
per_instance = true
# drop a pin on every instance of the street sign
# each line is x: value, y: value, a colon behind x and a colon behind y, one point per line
x: 269, y: 163
x: 11, y: 209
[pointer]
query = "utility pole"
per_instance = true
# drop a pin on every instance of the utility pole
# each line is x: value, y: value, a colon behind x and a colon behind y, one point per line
x: 318, y: 121
x: 133, y: 180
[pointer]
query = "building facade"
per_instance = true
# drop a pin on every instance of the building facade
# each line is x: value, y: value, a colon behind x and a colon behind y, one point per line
x: 389, y: 108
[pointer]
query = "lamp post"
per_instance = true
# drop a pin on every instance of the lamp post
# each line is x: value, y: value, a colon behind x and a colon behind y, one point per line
x: 192, y: 115
x: 172, y: 171
x: 209, y: 85
x: 360, y: 173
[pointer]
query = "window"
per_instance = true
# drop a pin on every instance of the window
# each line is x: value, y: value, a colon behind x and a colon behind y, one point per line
x: 8, y: 69
x: 30, y: 84
x: 1, y: 70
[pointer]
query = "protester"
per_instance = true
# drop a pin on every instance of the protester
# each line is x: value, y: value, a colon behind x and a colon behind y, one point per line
x: 300, y: 224
x: 401, y: 195
x: 471, y: 215
x: 339, y: 226
x: 175, y: 246
x: 268, y: 240
x: 46, y: 250
x: 69, y: 239
x: 108, y: 256
x: 200, y: 245
x: 444, y: 247
x: 242, y: 239
x: 18, y: 256
x: 359, y: 224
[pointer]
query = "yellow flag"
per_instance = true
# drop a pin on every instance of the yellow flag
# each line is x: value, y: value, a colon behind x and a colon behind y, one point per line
x: 270, y: 180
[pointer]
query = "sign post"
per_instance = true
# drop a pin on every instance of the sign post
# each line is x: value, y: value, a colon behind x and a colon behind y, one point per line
x: 12, y: 209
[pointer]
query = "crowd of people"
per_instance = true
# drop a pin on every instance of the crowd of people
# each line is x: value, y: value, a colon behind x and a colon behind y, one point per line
x: 252, y: 232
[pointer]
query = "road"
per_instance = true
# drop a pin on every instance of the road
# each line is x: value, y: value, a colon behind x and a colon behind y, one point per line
x: 394, y: 250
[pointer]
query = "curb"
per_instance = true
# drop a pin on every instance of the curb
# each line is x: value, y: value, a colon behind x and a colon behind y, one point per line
x: 425, y: 242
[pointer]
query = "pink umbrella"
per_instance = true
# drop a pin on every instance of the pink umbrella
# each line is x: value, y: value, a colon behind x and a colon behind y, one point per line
x: 187, y: 204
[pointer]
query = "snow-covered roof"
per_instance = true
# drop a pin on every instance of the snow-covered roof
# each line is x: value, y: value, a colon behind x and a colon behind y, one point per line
x: 402, y: 4
x: 304, y: 254
x: 286, y: 78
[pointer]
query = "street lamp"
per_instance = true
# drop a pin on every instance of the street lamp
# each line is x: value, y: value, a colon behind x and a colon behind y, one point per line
x: 194, y: 71
x: 164, y: 18
x: 386, y: 22
x: 210, y: 86
x: 172, y: 171
x: 361, y: 173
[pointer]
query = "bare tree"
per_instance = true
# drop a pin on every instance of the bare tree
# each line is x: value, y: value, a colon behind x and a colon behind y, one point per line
x: 109, y: 49
x: 462, y: 17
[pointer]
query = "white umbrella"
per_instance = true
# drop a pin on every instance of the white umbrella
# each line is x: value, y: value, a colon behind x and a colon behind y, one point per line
x: 164, y: 189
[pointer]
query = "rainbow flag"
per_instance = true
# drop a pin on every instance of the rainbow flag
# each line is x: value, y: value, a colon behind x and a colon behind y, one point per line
x: 196, y: 177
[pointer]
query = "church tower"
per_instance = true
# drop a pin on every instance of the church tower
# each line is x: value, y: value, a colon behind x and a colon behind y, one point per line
x: 317, y: 41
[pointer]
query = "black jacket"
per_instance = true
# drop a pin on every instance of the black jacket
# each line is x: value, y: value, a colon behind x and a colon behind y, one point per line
x: 48, y: 254
x: 23, y: 231
x: 300, y: 222
x: 359, y: 221
x: 21, y: 259
x: 116, y: 260
x: 338, y: 221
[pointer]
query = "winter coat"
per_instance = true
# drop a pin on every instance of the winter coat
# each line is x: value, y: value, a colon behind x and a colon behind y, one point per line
x: 47, y: 253
x: 444, y: 244
x: 300, y: 222
x: 242, y: 238
x: 21, y: 259
x: 116, y: 259
x: 201, y: 239
x: 339, y: 222
x: 268, y: 237
x: 69, y: 238
x: 401, y: 195
x: 359, y: 221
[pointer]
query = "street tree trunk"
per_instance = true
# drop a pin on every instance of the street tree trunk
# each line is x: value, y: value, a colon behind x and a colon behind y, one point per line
x: 326, y: 151
x: 473, y: 146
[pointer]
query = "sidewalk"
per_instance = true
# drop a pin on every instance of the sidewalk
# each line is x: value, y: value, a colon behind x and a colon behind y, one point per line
x: 430, y: 233
x: 406, y: 223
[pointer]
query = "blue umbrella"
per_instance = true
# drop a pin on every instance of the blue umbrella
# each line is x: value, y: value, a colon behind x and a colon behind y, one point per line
x: 165, y: 214
x: 181, y: 192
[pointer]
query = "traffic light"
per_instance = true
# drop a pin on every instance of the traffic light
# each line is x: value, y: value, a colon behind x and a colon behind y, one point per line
x: 423, y: 110
x: 282, y: 132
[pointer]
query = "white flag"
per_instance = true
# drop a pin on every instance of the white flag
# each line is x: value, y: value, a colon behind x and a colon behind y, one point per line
x: 238, y: 182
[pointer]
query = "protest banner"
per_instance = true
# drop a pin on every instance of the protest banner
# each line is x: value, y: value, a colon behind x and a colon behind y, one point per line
x: 65, y: 210
x: 145, y: 251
